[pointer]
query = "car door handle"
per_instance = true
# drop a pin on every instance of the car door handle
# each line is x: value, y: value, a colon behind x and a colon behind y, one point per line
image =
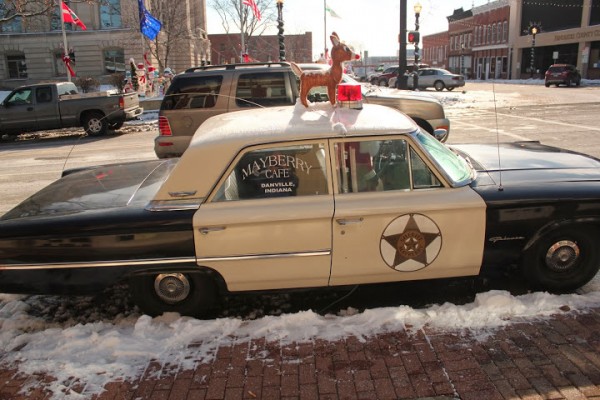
x: 207, y: 230
x: 349, y: 221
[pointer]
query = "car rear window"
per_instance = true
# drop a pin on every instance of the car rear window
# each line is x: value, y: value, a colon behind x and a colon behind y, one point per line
x: 192, y: 92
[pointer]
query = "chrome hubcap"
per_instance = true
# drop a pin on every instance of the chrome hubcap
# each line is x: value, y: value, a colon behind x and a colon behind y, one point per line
x: 562, y: 255
x: 172, y: 288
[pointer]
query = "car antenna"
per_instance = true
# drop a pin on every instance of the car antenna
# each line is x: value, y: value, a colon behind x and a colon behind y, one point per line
x: 500, y: 187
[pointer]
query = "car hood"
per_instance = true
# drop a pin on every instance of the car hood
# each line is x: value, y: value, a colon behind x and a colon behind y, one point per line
x: 522, y: 162
x: 94, y: 188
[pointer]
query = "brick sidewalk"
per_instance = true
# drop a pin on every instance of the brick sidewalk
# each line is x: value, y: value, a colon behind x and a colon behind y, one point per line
x: 558, y: 358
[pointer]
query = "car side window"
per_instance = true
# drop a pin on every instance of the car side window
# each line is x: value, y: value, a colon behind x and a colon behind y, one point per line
x: 380, y: 165
x: 193, y: 92
x: 263, y: 89
x: 43, y: 95
x: 20, y: 97
x: 282, y: 171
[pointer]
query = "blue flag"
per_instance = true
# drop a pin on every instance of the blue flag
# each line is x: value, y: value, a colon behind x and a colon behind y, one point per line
x: 149, y: 25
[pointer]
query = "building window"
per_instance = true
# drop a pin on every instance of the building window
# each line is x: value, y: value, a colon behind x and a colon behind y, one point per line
x: 110, y: 14
x: 55, y: 19
x: 505, y: 32
x: 470, y: 40
x: 17, y: 66
x: 488, y: 38
x: 493, y: 33
x: 114, y: 61
x: 14, y: 25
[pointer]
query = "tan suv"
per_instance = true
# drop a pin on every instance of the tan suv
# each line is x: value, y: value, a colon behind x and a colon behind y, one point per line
x: 202, y: 92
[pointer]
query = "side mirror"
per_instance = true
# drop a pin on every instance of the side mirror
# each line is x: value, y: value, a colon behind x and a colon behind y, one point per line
x: 440, y: 134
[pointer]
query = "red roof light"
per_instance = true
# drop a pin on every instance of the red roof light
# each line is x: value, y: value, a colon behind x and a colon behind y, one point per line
x: 349, y: 95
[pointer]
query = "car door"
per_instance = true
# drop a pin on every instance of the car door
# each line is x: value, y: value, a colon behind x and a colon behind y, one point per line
x: 46, y: 112
x: 397, y: 219
x: 267, y: 225
x: 18, y: 114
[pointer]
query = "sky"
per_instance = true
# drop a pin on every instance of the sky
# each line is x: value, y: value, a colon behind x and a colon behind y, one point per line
x: 366, y: 25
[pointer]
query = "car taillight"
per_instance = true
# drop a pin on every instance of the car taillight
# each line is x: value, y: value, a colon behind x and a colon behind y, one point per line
x: 164, y: 127
x: 121, y: 103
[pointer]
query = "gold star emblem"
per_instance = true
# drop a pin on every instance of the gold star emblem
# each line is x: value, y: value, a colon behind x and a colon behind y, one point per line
x: 412, y: 242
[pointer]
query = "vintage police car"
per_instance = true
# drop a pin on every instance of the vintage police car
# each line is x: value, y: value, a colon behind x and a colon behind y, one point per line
x: 294, y: 197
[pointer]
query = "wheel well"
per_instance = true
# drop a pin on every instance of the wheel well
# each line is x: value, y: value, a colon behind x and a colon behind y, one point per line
x: 86, y: 113
x: 580, y: 224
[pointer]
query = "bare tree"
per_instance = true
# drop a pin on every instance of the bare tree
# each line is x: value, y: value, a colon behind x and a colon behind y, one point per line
x: 240, y: 18
x: 26, y: 9
x: 173, y: 32
x: 13, y: 9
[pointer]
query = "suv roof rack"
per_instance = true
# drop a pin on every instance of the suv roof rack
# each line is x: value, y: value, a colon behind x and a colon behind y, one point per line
x: 237, y: 65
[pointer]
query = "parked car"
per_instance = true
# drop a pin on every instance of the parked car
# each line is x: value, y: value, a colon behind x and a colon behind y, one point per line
x: 203, y: 92
x: 437, y: 78
x: 562, y: 74
x: 48, y: 106
x: 284, y: 198
x: 383, y: 78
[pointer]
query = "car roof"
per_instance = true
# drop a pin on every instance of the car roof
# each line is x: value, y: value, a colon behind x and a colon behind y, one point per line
x: 218, y: 140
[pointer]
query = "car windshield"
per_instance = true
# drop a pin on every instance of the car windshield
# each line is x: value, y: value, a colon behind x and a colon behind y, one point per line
x: 455, y: 167
x: 109, y: 186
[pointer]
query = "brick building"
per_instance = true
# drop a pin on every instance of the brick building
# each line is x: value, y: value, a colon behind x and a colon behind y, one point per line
x: 495, y: 41
x: 226, y: 48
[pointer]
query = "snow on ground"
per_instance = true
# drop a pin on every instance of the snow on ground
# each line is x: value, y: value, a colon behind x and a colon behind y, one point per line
x: 90, y: 341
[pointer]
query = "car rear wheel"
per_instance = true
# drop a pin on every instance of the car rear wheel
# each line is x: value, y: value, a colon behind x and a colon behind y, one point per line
x: 383, y: 82
x: 439, y: 86
x: 95, y: 124
x: 563, y: 260
x: 187, y: 294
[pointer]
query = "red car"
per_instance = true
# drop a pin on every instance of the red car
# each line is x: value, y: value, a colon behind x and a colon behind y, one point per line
x: 565, y: 74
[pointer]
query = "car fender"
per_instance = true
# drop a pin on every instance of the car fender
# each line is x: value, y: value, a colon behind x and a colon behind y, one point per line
x: 554, y: 225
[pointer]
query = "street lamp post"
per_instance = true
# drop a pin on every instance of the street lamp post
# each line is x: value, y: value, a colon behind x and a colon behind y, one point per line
x: 534, y: 31
x: 280, y: 27
x: 417, y: 7
x: 401, y: 82
x: 462, y: 59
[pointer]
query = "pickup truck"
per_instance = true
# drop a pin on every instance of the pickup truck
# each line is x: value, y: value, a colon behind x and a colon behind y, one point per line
x: 48, y: 106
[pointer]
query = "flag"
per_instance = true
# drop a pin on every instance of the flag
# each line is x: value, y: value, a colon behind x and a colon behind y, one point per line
x: 331, y: 12
x: 149, y: 26
x: 254, y: 7
x: 70, y: 17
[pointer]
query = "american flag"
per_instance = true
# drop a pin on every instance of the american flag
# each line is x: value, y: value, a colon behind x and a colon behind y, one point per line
x: 254, y: 7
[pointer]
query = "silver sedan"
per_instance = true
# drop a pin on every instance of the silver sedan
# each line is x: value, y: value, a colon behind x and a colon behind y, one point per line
x: 437, y: 78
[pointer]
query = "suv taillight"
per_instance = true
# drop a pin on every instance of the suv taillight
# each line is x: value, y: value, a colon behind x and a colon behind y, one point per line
x: 164, y: 127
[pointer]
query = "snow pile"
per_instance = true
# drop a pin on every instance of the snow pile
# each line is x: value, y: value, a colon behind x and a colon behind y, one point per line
x: 82, y: 343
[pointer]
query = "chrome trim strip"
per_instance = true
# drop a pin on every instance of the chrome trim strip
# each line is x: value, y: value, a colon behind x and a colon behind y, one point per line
x: 100, y: 264
x: 173, y: 205
x: 266, y: 256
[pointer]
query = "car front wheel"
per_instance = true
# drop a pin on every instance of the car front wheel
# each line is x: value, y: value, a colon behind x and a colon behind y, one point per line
x: 563, y: 260
x: 439, y: 86
x: 187, y: 294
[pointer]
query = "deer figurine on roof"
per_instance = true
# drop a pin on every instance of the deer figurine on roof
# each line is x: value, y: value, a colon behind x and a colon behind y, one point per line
x: 340, y: 52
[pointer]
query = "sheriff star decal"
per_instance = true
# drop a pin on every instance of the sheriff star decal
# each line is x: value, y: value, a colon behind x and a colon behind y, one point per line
x: 410, y: 242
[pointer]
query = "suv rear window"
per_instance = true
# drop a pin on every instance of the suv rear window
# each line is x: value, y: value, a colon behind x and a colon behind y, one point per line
x: 263, y: 89
x: 192, y: 92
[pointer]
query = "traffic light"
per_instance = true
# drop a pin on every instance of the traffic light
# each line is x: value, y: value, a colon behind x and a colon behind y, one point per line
x: 413, y: 37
